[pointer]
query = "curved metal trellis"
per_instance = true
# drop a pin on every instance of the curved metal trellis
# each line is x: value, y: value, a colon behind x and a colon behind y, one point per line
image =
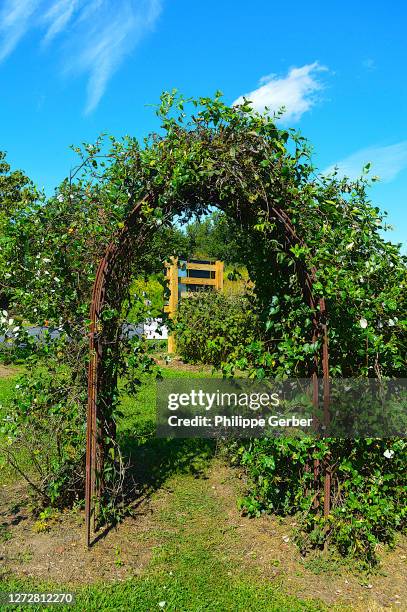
x: 116, y: 255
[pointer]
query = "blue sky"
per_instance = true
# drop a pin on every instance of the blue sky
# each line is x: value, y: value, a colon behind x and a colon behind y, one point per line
x: 71, y: 69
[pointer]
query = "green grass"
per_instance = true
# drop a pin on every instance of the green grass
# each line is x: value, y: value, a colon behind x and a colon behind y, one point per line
x: 137, y: 414
x: 169, y: 593
x: 195, y: 564
x: 7, y: 386
x: 156, y: 459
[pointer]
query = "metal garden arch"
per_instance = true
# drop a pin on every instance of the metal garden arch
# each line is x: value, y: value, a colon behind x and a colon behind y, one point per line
x: 100, y: 383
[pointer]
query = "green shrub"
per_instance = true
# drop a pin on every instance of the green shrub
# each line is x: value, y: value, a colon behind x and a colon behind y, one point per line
x: 215, y: 328
x: 146, y: 299
x: 42, y: 435
x: 368, y: 482
x: 16, y: 344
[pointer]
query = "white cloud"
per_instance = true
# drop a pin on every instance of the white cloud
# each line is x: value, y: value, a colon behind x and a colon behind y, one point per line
x: 104, y: 34
x: 297, y: 92
x: 58, y: 16
x: 95, y: 35
x: 15, y: 19
x: 386, y: 162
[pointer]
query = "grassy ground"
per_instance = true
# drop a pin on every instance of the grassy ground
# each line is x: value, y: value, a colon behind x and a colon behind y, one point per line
x: 7, y: 382
x: 186, y: 548
x: 193, y: 565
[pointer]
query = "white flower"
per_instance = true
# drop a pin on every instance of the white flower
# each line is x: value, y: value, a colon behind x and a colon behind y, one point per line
x: 388, y: 453
x: 349, y: 246
x: 162, y: 604
x: 7, y: 275
x: 4, y: 313
x: 46, y: 259
x: 391, y: 323
x: 363, y: 323
x: 10, y: 322
x: 60, y: 198
x: 16, y: 328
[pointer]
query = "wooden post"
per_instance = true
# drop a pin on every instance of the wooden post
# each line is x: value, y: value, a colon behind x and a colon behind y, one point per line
x: 219, y: 275
x: 173, y: 301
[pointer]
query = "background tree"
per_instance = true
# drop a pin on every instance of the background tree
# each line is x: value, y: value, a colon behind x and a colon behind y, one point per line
x: 215, y: 236
x: 17, y: 194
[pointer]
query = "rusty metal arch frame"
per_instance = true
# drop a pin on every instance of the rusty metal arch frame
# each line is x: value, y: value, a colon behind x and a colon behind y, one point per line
x: 105, y: 271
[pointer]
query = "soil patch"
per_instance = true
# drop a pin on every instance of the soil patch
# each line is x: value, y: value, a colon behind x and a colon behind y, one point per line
x: 7, y: 371
x: 268, y: 548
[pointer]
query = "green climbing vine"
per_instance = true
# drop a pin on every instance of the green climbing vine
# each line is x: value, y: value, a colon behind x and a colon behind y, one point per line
x: 207, y: 154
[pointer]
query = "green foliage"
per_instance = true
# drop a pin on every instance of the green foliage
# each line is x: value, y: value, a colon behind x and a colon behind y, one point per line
x: 146, y: 298
x: 43, y: 433
x: 16, y: 190
x: 243, y: 163
x: 17, y: 194
x: 18, y: 345
x: 209, y: 154
x: 214, y: 237
x: 214, y: 328
x: 369, y: 486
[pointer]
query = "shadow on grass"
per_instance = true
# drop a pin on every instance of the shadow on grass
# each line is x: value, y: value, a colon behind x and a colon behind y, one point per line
x: 152, y: 461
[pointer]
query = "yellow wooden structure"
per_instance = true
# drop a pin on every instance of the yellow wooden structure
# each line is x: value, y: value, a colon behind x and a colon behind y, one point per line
x: 215, y: 280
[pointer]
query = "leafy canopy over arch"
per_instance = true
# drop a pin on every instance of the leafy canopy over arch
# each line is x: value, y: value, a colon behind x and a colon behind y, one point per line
x: 242, y: 162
